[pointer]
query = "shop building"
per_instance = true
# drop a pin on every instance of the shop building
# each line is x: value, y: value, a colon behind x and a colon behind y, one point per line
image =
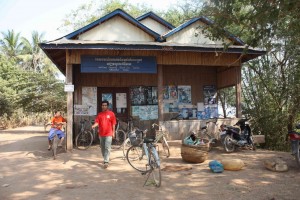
x: 147, y: 68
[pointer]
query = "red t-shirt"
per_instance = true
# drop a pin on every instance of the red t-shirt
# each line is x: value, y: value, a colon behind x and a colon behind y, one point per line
x: 56, y: 120
x: 106, y: 120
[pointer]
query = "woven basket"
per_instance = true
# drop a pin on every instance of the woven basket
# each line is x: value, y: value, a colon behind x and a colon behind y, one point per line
x: 204, y: 147
x: 193, y: 154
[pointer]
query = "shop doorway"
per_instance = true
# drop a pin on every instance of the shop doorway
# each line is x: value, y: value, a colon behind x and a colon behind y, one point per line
x: 118, y: 98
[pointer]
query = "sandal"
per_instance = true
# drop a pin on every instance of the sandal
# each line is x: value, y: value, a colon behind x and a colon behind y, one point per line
x: 49, y: 148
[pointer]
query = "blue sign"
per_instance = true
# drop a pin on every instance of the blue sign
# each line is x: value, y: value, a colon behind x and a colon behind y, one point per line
x: 111, y: 64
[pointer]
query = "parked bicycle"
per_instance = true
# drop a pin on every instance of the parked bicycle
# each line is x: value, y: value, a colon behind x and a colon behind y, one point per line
x: 160, y: 137
x: 85, y: 137
x: 129, y: 128
x: 120, y: 136
x: 143, y: 157
x: 207, y: 133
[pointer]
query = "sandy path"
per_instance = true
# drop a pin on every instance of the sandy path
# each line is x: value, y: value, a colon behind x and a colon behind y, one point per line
x: 27, y: 171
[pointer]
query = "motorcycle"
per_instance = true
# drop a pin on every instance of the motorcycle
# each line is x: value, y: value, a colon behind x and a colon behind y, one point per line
x: 234, y: 137
x: 295, y: 143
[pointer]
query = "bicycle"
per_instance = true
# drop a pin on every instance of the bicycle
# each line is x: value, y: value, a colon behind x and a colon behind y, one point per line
x: 129, y: 129
x: 85, y: 137
x: 54, y: 144
x: 161, y: 138
x: 120, y: 136
x: 143, y: 157
x: 204, y: 134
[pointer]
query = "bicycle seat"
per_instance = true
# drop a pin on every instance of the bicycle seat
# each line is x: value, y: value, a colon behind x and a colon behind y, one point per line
x: 148, y: 140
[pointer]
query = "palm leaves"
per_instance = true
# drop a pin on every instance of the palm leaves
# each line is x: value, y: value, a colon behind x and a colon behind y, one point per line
x: 10, y: 44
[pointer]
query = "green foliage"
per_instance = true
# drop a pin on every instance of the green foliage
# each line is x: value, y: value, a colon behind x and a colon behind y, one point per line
x: 183, y: 11
x: 28, y: 80
x: 10, y: 45
x: 226, y: 98
x: 271, y: 85
x: 93, y: 10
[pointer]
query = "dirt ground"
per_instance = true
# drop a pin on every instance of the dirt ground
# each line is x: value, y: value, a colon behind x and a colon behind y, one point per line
x: 27, y: 171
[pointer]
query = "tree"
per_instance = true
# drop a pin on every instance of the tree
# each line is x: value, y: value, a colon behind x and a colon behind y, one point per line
x: 271, y: 85
x: 7, y: 102
x: 183, y: 11
x: 93, y: 10
x: 33, y: 55
x: 11, y: 45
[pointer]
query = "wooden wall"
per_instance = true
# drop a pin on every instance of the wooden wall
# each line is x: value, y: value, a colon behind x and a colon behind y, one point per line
x: 196, y: 76
x: 228, y: 76
x: 167, y: 57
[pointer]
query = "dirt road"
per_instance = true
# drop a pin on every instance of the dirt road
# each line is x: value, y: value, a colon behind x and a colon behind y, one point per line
x: 27, y: 171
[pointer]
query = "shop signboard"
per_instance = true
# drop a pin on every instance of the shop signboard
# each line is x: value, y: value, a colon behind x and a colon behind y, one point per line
x: 118, y: 64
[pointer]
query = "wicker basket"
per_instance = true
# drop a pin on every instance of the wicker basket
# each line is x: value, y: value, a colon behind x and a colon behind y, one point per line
x: 193, y: 153
x: 204, y: 147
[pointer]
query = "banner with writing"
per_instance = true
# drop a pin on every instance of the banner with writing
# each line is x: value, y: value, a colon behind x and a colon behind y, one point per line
x: 114, y: 64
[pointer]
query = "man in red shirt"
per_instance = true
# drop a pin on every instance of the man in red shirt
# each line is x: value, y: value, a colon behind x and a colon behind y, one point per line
x: 56, y: 124
x: 106, y: 121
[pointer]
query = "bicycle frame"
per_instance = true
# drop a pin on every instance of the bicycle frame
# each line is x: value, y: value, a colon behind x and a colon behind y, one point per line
x: 147, y: 147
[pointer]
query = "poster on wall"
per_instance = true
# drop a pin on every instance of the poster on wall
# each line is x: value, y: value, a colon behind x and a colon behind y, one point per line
x: 143, y: 95
x: 184, y: 94
x: 89, y: 99
x: 210, y: 102
x: 148, y: 95
x: 170, y: 106
x: 121, y: 100
x: 145, y: 112
x: 135, y: 111
x: 108, y: 97
x: 81, y: 110
x: 173, y: 92
x: 210, y: 95
x: 154, y: 95
x: 137, y: 95
x: 148, y: 112
x: 166, y: 92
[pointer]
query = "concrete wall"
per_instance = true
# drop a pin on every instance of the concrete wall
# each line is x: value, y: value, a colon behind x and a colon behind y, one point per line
x: 116, y: 29
x: 155, y: 26
x: 179, y: 129
x: 188, y: 35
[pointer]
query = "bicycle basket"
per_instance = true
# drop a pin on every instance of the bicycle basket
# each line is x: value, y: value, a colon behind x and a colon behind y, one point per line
x: 136, y: 137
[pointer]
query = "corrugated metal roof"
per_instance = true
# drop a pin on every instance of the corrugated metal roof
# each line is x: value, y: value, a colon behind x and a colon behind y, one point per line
x: 64, y: 42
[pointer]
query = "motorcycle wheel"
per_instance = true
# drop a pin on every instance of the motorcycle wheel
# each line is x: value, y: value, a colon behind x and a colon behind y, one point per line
x: 228, y: 144
x: 297, y: 154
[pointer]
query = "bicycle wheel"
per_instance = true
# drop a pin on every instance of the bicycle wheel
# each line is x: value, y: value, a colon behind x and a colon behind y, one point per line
x: 84, y: 140
x: 125, y: 146
x: 165, y: 147
x: 137, y: 159
x: 54, y: 144
x: 204, y: 136
x: 47, y: 127
x: 228, y: 144
x: 155, y: 170
x: 119, y: 138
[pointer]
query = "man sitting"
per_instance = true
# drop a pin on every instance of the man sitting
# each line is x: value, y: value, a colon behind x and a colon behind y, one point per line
x: 56, y: 124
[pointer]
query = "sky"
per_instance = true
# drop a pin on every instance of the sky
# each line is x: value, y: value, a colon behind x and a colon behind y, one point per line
x: 25, y: 16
